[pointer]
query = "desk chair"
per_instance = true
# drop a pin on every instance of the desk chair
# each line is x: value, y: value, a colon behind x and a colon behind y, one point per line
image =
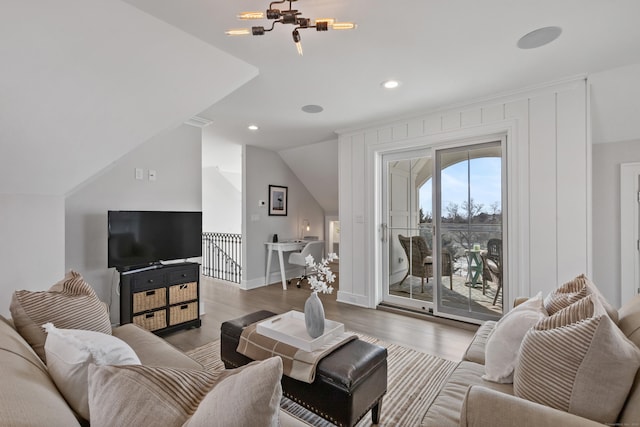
x: 315, y: 249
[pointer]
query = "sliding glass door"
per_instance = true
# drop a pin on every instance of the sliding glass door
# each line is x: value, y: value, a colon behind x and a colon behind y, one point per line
x: 442, y: 216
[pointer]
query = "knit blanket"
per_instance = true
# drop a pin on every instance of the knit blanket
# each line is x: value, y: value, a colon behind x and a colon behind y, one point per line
x: 297, y: 364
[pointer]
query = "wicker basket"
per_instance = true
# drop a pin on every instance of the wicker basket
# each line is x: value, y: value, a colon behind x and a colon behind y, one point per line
x: 148, y: 300
x: 152, y: 321
x: 183, y: 313
x: 183, y: 292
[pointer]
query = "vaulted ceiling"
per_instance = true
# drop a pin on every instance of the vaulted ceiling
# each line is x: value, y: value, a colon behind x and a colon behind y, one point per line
x: 83, y: 82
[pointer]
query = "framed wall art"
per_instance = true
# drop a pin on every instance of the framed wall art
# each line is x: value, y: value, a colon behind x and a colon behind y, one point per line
x: 278, y: 198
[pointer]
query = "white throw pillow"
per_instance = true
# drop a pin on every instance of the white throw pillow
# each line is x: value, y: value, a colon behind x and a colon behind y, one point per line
x: 69, y: 353
x: 503, y: 344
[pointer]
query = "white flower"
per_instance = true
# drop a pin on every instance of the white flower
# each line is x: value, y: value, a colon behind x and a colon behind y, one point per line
x: 322, y: 273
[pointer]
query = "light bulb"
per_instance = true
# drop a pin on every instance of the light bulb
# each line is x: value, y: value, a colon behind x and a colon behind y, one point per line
x: 250, y: 15
x: 343, y: 26
x: 238, y: 32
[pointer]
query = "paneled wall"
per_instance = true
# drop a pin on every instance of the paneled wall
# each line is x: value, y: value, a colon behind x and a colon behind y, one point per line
x: 548, y: 184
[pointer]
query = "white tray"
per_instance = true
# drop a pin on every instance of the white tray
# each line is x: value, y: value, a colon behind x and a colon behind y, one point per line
x: 289, y: 328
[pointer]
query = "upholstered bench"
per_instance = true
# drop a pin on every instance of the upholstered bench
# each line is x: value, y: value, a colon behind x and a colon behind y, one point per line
x: 349, y: 382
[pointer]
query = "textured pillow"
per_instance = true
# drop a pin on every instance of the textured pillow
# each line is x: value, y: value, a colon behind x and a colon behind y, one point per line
x: 143, y: 395
x: 565, y: 295
x: 582, y: 309
x: 231, y: 403
x: 503, y: 344
x: 573, y: 291
x: 69, y: 354
x: 584, y: 368
x: 69, y: 304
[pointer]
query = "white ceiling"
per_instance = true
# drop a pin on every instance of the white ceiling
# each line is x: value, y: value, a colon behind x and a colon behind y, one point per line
x: 442, y: 52
x: 83, y: 82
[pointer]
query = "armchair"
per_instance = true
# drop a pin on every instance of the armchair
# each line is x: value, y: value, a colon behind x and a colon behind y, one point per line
x: 420, y: 260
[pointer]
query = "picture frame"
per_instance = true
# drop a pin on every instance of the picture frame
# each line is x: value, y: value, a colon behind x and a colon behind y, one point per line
x: 278, y: 200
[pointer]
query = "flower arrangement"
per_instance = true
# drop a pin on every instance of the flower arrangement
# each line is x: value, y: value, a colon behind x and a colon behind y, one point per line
x: 323, y: 276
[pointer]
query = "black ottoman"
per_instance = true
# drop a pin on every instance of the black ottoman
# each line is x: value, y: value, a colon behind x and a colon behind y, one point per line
x: 349, y: 381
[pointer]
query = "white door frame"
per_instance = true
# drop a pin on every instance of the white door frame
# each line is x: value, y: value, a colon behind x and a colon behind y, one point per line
x: 629, y: 220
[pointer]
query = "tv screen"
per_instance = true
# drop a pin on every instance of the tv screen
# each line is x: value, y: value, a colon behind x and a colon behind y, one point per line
x: 140, y: 238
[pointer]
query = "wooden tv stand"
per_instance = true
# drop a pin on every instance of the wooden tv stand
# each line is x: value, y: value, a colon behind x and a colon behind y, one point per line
x: 162, y: 298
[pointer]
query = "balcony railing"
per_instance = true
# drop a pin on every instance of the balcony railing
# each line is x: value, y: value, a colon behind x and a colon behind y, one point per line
x: 222, y: 256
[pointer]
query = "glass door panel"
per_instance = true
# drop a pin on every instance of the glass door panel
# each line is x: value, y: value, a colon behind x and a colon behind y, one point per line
x: 409, y: 274
x: 469, y: 185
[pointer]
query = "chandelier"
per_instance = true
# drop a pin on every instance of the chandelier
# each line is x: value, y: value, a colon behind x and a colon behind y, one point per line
x: 290, y: 16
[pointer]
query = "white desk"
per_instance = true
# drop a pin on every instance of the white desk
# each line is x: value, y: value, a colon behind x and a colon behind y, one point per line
x: 281, y: 247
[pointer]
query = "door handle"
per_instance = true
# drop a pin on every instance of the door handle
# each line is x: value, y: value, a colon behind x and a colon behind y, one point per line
x: 383, y: 231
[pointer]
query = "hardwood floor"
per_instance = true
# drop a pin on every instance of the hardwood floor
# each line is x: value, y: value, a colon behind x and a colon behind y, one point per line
x: 224, y: 301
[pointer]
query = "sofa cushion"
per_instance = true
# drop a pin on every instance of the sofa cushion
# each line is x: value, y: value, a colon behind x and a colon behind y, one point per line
x: 503, y: 344
x: 584, y: 368
x: 476, y: 350
x: 153, y: 350
x: 28, y: 396
x: 446, y: 407
x: 573, y: 291
x: 69, y: 304
x: 69, y: 354
x: 629, y: 321
x: 629, y: 324
x: 143, y: 395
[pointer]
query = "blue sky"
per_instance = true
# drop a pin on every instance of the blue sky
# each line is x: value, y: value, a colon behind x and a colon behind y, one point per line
x: 485, y: 184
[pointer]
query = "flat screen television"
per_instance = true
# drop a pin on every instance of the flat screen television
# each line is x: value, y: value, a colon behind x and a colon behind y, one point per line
x: 143, y: 238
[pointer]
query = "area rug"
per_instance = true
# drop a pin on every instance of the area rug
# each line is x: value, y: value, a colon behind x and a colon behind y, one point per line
x: 414, y: 379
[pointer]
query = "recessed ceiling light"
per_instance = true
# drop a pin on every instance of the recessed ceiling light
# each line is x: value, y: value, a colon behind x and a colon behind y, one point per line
x: 539, y: 37
x: 253, y: 127
x: 390, y: 84
x: 312, y: 108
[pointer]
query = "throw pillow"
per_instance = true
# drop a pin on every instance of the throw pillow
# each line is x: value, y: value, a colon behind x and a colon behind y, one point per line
x: 565, y: 295
x: 70, y: 352
x: 71, y: 304
x: 584, y: 368
x: 503, y: 344
x: 573, y: 291
x: 582, y: 309
x: 230, y: 404
x: 144, y: 395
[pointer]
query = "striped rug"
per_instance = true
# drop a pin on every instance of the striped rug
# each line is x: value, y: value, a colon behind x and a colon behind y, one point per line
x: 414, y: 380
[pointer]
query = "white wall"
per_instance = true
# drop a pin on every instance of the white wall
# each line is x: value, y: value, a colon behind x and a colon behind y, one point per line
x: 263, y: 168
x: 176, y: 156
x: 221, y: 203
x: 548, y: 168
x: 316, y: 165
x: 606, y: 213
x: 615, y: 102
x: 31, y: 244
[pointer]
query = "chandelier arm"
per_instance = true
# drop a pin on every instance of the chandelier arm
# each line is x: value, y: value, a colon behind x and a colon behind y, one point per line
x: 279, y: 2
x: 273, y: 24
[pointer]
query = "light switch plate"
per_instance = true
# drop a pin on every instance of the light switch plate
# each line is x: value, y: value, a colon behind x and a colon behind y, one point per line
x: 139, y: 173
x: 152, y: 175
